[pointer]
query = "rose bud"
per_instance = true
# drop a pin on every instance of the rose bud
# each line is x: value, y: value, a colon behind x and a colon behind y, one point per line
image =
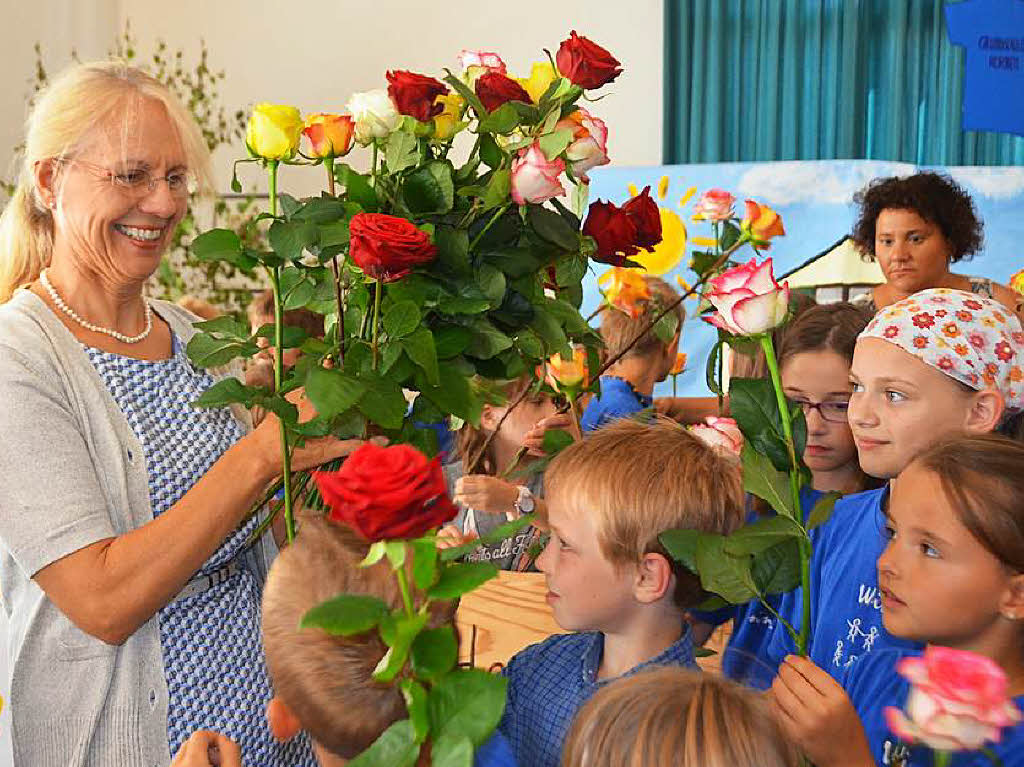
x: 494, y: 89
x: 586, y: 63
x: 415, y: 95
x: 329, y: 135
x: 274, y: 131
x: 748, y: 299
x: 643, y: 211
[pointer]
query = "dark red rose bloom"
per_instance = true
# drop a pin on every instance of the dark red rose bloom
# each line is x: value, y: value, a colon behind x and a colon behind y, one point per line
x: 643, y: 211
x: 614, y: 231
x: 494, y: 89
x: 586, y: 63
x: 387, y: 493
x: 388, y: 247
x: 414, y: 94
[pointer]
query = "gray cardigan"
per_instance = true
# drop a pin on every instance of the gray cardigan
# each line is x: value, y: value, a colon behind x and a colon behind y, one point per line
x: 72, y: 473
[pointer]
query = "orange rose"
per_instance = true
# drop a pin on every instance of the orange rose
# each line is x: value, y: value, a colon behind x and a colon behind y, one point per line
x: 329, y: 135
x: 760, y: 224
x: 680, y: 365
x: 567, y: 375
x: 625, y: 289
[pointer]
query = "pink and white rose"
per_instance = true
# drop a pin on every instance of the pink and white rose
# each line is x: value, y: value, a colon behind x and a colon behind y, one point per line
x: 720, y: 433
x: 748, y: 299
x: 486, y: 59
x: 714, y: 205
x: 958, y: 701
x: 589, y: 147
x: 535, y: 177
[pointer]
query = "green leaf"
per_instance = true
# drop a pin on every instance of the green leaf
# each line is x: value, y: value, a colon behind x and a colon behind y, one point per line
x: 357, y: 187
x: 402, y: 151
x: 490, y: 152
x: 332, y: 392
x: 711, y: 371
x: 434, y: 652
x: 401, y: 319
x: 467, y: 703
x: 452, y: 751
x: 665, y: 328
x: 553, y: 228
x: 430, y: 189
x: 498, y: 189
x: 450, y: 341
x: 487, y: 340
x: 417, y: 705
x: 498, y: 534
x: 721, y: 573
x: 504, y: 119
x: 225, y: 325
x: 291, y: 336
x: 491, y: 282
x: 556, y: 440
x: 334, y: 234
x: 290, y: 239
x: 530, y: 344
x: 374, y: 555
x: 453, y: 249
x: 777, y: 570
x: 396, y: 747
x: 382, y: 402
x: 553, y: 144
x: 398, y: 633
x: 466, y: 92
x: 571, y: 269
x: 346, y: 614
x: 296, y: 288
x: 208, y: 352
x: 217, y: 245
x: 548, y: 329
x: 320, y: 210
x: 682, y: 546
x: 753, y: 404
x: 762, y: 534
x: 424, y: 563
x: 420, y: 348
x: 822, y: 510
x: 227, y: 392
x: 762, y: 479
x: 453, y: 395
x: 458, y: 579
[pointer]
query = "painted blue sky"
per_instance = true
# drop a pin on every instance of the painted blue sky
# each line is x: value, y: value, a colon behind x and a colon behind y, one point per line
x: 815, y: 201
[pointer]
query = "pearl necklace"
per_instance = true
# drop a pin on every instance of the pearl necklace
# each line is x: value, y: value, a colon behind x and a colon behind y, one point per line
x: 96, y: 328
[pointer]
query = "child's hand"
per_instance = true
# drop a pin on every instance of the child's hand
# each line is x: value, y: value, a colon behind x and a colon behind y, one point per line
x: 533, y: 441
x: 815, y: 712
x: 485, y: 493
x: 208, y: 749
x: 450, y: 536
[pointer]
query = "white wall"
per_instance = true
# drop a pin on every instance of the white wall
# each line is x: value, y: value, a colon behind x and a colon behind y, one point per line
x: 315, y: 53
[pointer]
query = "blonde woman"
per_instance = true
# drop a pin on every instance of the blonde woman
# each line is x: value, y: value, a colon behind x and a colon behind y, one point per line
x: 133, y: 603
x: 676, y: 717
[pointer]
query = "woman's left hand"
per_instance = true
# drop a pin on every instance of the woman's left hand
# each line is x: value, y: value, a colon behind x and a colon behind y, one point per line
x: 485, y: 493
x: 816, y: 713
x: 208, y: 749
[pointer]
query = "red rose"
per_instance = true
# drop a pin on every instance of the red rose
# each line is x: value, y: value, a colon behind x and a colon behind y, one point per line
x: 587, y: 64
x: 643, y: 210
x: 388, y: 247
x: 494, y: 89
x: 414, y: 94
x: 386, y: 493
x: 614, y: 231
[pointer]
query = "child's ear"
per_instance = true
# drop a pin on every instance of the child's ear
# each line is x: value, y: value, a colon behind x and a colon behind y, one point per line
x: 282, y: 722
x: 986, y: 410
x: 654, y: 578
x: 1011, y: 605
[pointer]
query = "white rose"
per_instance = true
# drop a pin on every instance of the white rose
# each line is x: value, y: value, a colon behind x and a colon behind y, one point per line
x: 374, y: 114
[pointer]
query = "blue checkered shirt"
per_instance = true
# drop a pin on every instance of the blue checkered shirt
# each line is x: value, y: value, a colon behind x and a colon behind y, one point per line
x: 549, y: 681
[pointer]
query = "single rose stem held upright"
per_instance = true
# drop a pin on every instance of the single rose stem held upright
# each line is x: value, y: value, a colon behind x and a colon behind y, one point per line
x: 338, y: 291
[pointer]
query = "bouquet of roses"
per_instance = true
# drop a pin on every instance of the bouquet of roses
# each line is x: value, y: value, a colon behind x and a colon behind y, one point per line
x: 430, y: 275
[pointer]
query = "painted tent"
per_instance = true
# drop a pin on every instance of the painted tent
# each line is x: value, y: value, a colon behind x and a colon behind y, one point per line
x: 815, y: 200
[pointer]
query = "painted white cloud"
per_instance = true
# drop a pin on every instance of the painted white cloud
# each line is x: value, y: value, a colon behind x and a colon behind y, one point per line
x: 830, y: 182
x: 996, y: 183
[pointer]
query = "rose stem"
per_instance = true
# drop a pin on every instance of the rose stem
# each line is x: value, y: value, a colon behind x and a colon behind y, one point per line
x: 497, y: 214
x: 338, y: 296
x: 275, y: 281
x: 376, y: 320
x: 403, y: 584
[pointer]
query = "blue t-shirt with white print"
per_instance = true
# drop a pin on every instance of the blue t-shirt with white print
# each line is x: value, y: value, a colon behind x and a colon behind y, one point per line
x: 748, y: 657
x: 846, y: 606
x: 873, y: 684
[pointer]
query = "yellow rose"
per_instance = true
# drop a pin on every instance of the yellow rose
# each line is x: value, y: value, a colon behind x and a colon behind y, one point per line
x: 542, y: 74
x: 274, y: 131
x: 446, y: 124
x: 1017, y: 281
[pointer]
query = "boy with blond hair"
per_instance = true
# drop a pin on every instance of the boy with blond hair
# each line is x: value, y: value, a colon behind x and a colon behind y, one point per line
x: 609, y: 497
x: 627, y: 387
x: 324, y: 684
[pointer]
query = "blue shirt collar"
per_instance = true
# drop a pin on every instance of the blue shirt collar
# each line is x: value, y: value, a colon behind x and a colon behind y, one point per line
x: 622, y: 386
x: 679, y: 653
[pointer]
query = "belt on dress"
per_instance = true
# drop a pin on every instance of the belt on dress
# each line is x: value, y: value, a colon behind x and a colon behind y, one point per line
x: 199, y: 583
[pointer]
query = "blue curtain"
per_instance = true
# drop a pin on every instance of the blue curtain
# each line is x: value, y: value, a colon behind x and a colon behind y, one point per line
x: 759, y: 80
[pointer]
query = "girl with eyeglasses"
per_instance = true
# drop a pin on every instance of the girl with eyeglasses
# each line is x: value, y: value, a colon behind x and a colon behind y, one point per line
x: 815, y: 353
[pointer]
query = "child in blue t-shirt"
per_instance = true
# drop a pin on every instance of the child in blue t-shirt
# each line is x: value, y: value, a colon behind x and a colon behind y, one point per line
x: 627, y: 387
x: 951, y: 576
x: 939, y: 364
x: 814, y: 359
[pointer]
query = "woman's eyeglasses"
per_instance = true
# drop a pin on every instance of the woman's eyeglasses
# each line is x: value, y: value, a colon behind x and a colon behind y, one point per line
x: 834, y: 411
x: 139, y: 183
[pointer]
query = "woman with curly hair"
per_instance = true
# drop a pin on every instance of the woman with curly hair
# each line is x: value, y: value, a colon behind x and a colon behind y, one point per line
x: 916, y: 226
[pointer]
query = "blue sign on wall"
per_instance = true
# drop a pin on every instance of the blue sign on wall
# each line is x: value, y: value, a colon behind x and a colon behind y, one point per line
x: 992, y: 34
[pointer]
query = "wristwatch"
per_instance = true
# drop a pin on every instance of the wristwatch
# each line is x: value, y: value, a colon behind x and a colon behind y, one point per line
x: 525, y: 503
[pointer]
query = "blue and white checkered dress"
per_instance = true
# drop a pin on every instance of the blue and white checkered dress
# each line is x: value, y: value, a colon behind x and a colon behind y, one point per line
x: 213, y: 656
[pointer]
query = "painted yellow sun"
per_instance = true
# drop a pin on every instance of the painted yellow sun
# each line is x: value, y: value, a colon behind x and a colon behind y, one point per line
x: 666, y: 255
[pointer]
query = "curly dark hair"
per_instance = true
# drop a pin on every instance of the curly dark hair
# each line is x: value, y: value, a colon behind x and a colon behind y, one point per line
x: 934, y: 197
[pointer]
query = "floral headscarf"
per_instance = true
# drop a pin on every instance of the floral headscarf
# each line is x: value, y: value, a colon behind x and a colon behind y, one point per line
x: 970, y: 338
